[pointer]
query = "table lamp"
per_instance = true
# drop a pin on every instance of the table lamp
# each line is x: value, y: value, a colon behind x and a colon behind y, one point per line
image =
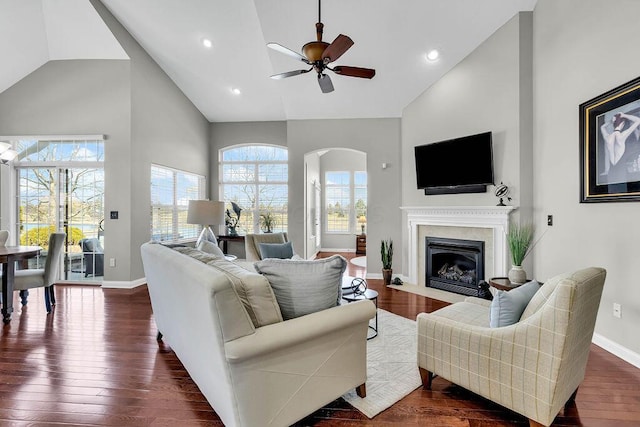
x: 206, y: 213
x: 362, y: 220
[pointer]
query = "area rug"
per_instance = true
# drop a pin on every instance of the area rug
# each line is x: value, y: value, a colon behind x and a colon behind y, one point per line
x: 360, y: 261
x: 430, y: 292
x: 392, y: 370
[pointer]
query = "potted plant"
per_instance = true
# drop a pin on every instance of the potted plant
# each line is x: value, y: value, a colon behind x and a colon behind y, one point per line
x: 267, y: 222
x: 386, y: 252
x: 519, y: 239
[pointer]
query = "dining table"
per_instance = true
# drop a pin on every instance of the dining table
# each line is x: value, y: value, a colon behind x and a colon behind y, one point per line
x: 8, y: 257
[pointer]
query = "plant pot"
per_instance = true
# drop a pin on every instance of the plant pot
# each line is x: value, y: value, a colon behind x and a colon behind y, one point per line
x: 517, y: 275
x: 386, y: 276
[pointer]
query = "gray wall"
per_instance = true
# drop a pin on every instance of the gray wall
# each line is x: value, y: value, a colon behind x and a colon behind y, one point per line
x: 145, y: 117
x: 62, y: 98
x: 339, y: 160
x: 490, y: 90
x: 380, y: 140
x: 223, y: 135
x: 582, y: 48
x: 166, y: 129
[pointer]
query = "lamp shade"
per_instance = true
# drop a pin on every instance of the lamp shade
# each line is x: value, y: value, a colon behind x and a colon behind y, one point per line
x: 362, y: 219
x: 205, y: 212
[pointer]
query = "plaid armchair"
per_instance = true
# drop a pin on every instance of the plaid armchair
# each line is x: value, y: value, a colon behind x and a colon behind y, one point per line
x: 533, y: 367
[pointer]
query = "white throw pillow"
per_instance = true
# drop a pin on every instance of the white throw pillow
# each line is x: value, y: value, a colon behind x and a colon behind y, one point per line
x: 303, y: 287
x: 210, y: 248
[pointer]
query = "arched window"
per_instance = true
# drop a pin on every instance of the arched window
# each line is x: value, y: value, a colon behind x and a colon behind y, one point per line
x: 256, y: 177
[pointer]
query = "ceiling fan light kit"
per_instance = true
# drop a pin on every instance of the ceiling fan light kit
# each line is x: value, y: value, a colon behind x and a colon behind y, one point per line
x: 319, y: 54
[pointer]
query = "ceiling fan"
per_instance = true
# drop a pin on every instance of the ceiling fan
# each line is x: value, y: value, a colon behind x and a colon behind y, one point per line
x: 319, y: 55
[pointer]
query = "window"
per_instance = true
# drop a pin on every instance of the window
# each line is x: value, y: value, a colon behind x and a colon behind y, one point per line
x: 171, y: 191
x: 256, y: 177
x: 345, y: 200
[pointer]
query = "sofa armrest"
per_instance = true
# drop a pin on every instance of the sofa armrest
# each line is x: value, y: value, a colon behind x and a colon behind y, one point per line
x: 301, y: 329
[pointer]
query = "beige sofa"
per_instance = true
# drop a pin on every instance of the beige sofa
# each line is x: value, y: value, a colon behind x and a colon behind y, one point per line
x: 272, y: 374
x: 533, y: 367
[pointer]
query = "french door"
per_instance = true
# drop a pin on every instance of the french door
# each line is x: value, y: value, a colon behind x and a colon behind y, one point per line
x: 69, y: 199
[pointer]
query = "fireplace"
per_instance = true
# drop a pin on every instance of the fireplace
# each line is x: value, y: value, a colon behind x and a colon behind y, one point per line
x: 454, y: 265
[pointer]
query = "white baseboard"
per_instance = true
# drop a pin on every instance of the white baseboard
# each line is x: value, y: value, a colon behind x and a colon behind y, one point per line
x: 336, y: 250
x: 115, y: 284
x: 617, y: 350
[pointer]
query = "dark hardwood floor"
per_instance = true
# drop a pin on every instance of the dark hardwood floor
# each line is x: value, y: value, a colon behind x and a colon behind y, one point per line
x: 95, y: 361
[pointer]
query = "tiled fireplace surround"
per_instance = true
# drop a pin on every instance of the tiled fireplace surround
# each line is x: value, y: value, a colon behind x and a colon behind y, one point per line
x: 484, y: 223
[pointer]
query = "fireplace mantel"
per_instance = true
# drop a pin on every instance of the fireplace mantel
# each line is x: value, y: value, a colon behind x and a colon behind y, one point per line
x: 493, y: 217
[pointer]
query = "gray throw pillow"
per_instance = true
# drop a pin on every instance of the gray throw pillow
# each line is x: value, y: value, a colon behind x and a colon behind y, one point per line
x: 302, y: 287
x: 507, y: 306
x: 276, y: 250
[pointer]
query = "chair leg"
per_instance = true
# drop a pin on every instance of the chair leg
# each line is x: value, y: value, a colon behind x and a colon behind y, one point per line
x: 426, y: 377
x: 47, y: 300
x: 159, y: 336
x: 24, y: 294
x: 572, y: 398
x: 361, y: 390
x: 52, y: 294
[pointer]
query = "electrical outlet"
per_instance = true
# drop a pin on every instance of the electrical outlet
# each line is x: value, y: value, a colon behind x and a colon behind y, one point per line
x: 617, y: 310
x: 112, y: 262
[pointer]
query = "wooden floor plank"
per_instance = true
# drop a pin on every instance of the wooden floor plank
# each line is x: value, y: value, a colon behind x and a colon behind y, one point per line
x: 95, y: 362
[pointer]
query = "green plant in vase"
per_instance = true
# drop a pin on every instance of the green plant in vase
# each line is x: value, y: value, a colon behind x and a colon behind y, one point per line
x: 268, y: 222
x: 386, y: 253
x: 519, y: 239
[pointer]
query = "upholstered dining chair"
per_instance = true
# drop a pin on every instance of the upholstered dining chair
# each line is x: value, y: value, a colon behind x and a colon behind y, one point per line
x: 42, y: 277
x: 252, y: 243
x: 533, y: 367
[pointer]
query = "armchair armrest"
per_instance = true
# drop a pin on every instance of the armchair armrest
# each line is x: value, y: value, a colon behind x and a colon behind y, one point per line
x: 295, y: 331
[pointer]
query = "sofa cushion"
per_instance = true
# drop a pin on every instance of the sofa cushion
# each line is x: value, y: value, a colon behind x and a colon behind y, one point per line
x: 252, y: 288
x: 507, y: 306
x: 210, y: 248
x: 303, y: 287
x: 276, y: 250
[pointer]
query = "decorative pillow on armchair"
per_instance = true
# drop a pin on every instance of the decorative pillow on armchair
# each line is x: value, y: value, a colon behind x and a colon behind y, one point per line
x: 507, y: 306
x: 303, y: 287
x: 276, y: 250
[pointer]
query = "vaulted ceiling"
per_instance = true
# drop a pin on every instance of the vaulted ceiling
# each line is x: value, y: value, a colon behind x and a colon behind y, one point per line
x: 390, y: 36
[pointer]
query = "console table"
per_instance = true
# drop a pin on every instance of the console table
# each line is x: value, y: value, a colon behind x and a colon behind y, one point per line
x: 225, y: 239
x: 361, y: 244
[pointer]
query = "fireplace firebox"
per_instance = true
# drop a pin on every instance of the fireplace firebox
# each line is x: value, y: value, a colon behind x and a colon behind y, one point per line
x: 455, y: 265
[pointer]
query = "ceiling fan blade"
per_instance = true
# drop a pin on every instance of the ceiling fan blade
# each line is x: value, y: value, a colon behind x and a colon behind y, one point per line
x: 290, y: 74
x: 325, y: 83
x: 365, y: 73
x: 335, y: 50
x: 295, y: 55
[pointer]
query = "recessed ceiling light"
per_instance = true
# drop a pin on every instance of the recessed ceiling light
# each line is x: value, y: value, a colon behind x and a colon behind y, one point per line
x: 432, y: 55
x: 207, y: 43
x: 235, y: 91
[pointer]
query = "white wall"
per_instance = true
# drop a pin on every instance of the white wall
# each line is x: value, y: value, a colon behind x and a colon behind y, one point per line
x: 313, y: 207
x: 583, y: 48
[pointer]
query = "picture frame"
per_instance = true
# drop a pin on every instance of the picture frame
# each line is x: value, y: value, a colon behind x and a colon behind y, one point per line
x: 610, y: 146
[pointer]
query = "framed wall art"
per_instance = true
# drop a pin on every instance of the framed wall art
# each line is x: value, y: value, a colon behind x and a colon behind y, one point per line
x: 610, y: 146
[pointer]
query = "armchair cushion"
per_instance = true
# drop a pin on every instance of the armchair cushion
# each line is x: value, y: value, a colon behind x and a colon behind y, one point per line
x: 276, y: 250
x: 507, y: 306
x: 302, y: 287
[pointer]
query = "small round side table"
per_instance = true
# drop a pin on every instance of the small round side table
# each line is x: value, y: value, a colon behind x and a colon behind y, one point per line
x: 371, y: 295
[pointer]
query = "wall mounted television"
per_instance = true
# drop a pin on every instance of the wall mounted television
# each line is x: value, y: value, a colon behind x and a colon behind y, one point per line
x: 459, y: 165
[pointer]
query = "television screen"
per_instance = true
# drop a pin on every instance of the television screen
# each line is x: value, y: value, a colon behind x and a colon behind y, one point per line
x: 454, y: 164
